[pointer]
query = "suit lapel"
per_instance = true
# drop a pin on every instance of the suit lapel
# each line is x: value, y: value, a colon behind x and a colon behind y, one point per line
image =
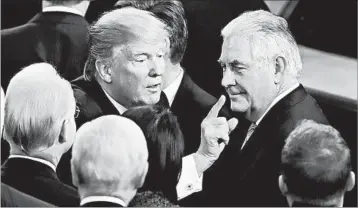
x: 259, y: 141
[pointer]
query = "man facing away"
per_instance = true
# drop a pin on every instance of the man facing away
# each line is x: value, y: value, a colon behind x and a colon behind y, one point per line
x: 316, y: 166
x: 109, y: 161
x: 58, y: 35
x: 40, y: 127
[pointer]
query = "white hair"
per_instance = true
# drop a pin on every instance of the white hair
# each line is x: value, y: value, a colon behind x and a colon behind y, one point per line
x: 269, y: 35
x: 109, y: 154
x: 118, y: 28
x: 37, y: 102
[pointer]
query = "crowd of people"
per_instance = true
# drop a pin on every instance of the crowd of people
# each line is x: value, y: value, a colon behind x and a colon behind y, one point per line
x: 105, y: 114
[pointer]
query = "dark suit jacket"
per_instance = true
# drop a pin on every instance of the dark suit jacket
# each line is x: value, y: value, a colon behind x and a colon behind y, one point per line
x: 11, y: 197
x: 191, y: 104
x: 58, y: 38
x: 101, y: 204
x: 249, y: 177
x: 38, y: 180
x: 206, y: 19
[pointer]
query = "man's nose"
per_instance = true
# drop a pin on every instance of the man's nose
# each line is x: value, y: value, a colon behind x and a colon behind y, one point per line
x: 228, y: 78
x: 157, y: 67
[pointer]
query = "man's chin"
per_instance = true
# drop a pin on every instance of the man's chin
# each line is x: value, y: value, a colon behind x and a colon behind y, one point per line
x: 236, y: 107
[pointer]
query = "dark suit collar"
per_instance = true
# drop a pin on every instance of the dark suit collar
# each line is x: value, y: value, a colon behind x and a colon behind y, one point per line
x: 27, y: 168
x: 59, y: 17
x: 273, y: 117
x: 95, y: 91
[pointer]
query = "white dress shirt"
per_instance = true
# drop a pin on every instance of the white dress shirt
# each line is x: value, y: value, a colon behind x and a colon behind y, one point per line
x: 45, y: 162
x: 172, y: 89
x: 189, y: 180
x: 111, y: 199
x: 62, y: 9
x: 274, y: 102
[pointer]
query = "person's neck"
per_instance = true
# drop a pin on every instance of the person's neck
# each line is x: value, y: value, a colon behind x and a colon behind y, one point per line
x: 44, y: 155
x: 172, y: 71
x: 81, y: 7
x: 332, y: 202
x: 284, y: 85
x: 126, y: 195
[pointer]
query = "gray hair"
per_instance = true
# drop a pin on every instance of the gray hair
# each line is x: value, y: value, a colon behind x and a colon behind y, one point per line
x: 269, y: 35
x: 37, y: 102
x: 109, y: 153
x: 118, y: 28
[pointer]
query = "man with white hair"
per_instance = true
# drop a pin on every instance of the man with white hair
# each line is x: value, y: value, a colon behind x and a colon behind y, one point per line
x: 40, y: 127
x: 109, y: 161
x: 261, y: 65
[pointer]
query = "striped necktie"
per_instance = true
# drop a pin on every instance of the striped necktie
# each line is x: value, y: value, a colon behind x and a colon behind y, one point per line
x: 249, y: 133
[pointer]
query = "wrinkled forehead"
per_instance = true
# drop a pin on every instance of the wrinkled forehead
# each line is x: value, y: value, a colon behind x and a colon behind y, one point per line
x: 236, y: 47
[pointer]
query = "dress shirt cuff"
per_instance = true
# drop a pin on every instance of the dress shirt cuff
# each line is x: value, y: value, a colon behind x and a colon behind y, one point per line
x: 189, y: 181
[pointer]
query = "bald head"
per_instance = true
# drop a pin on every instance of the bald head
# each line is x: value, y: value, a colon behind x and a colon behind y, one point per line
x: 109, y: 154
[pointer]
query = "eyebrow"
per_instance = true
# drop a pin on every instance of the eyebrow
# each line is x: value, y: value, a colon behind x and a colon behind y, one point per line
x: 237, y: 63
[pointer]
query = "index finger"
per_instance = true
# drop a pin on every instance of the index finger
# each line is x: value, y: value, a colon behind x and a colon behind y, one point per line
x: 214, y: 112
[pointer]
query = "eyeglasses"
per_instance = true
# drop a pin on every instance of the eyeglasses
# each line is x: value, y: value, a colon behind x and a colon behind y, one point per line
x: 77, y: 112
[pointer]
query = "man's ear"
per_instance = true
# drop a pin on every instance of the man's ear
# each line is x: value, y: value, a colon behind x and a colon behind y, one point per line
x: 143, y: 176
x: 282, y: 185
x: 63, y: 133
x: 74, y: 175
x: 351, y: 181
x: 104, y: 70
x: 280, y: 67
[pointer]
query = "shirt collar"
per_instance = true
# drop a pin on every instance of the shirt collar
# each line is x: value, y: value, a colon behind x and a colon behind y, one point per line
x: 172, y: 89
x: 102, y: 199
x: 62, y: 9
x: 45, y: 162
x: 121, y: 109
x: 276, y: 100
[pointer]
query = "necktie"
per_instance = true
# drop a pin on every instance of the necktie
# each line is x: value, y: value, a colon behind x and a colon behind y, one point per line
x: 163, y: 100
x: 249, y: 133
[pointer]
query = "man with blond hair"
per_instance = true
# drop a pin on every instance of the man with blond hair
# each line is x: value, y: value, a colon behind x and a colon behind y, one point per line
x: 109, y: 161
x: 40, y: 127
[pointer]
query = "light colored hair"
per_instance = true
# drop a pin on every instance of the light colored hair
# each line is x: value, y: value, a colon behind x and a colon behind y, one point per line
x: 109, y: 154
x: 37, y: 102
x: 118, y: 28
x: 269, y: 36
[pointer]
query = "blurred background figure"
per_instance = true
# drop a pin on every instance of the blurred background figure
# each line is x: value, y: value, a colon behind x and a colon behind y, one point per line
x: 40, y: 127
x: 316, y: 166
x: 109, y: 161
x: 166, y: 148
x: 57, y: 35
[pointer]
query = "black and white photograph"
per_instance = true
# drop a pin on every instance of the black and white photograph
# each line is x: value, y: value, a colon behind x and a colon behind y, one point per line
x: 178, y: 103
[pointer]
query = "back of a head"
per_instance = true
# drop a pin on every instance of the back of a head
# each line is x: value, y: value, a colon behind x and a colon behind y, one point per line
x: 37, y: 103
x: 165, y: 145
x: 270, y: 37
x: 109, y: 157
x: 120, y: 27
x: 315, y: 163
x: 171, y: 12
